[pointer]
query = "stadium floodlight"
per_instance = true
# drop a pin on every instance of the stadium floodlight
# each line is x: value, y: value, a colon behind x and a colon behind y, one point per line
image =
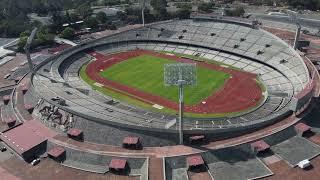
x: 27, y: 48
x: 293, y: 16
x: 175, y: 72
x: 295, y: 19
x: 180, y: 74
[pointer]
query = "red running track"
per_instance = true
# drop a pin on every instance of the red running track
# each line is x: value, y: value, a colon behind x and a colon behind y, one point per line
x: 239, y: 92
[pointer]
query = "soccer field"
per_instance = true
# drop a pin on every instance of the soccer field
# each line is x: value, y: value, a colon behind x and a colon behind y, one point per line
x: 145, y: 72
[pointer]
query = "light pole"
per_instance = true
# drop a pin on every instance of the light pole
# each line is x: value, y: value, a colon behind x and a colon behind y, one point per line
x: 142, y: 11
x: 294, y: 18
x: 181, y: 96
x: 27, y: 48
x: 297, y: 37
x: 180, y: 74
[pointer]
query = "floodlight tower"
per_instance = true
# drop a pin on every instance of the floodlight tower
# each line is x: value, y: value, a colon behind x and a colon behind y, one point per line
x: 294, y: 18
x: 180, y: 74
x: 142, y: 11
x: 181, y: 82
x: 27, y: 48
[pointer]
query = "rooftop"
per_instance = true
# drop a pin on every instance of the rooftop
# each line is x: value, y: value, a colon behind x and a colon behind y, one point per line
x: 26, y: 136
x: 117, y: 163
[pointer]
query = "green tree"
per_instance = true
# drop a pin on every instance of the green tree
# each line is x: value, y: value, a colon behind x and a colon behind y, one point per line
x: 73, y: 17
x: 301, y: 4
x: 111, y: 2
x: 206, y: 7
x: 161, y: 7
x: 238, y: 12
x: 102, y: 17
x: 42, y: 38
x: 111, y: 26
x: 84, y: 10
x: 158, y: 4
x: 91, y: 22
x: 184, y: 14
x: 68, y: 33
x: 184, y: 6
x: 163, y: 14
x: 22, y: 42
x: 122, y: 16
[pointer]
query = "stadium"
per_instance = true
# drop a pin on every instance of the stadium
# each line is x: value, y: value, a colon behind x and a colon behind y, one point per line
x: 103, y: 107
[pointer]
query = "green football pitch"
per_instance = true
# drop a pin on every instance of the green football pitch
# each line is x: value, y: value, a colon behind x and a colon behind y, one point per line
x: 145, y: 72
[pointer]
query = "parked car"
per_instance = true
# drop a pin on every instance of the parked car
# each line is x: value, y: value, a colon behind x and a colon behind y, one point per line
x: 3, y: 149
x: 35, y: 162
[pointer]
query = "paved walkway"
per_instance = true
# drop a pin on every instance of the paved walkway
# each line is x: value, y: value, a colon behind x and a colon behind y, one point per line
x: 5, y: 175
x: 156, y: 169
x: 283, y: 171
x: 50, y: 170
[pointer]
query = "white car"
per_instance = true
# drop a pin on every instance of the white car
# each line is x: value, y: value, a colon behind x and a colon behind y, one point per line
x: 35, y: 162
x: 304, y: 164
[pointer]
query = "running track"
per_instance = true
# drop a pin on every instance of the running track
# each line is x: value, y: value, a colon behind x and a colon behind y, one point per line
x: 240, y: 92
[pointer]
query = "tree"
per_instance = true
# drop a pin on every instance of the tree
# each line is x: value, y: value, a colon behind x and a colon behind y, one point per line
x: 68, y: 33
x: 206, y: 7
x: 238, y: 12
x: 158, y: 4
x: 84, y: 10
x: 161, y: 7
x: 133, y: 15
x: 39, y: 7
x: 91, y: 22
x: 111, y: 26
x: 122, y: 15
x: 73, y: 17
x: 57, y: 21
x: 22, y: 41
x: 111, y: 2
x: 183, y: 14
x: 163, y: 14
x: 305, y: 4
x: 42, y: 38
x: 148, y: 17
x: 184, y: 6
x: 102, y: 17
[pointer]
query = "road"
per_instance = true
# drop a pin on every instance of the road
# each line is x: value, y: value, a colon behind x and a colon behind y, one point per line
x: 305, y: 22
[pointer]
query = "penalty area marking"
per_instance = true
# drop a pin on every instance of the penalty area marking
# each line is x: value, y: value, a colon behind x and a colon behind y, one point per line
x: 157, y: 106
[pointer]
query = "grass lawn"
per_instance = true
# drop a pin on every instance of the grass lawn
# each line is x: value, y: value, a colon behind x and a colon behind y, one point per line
x: 145, y: 72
